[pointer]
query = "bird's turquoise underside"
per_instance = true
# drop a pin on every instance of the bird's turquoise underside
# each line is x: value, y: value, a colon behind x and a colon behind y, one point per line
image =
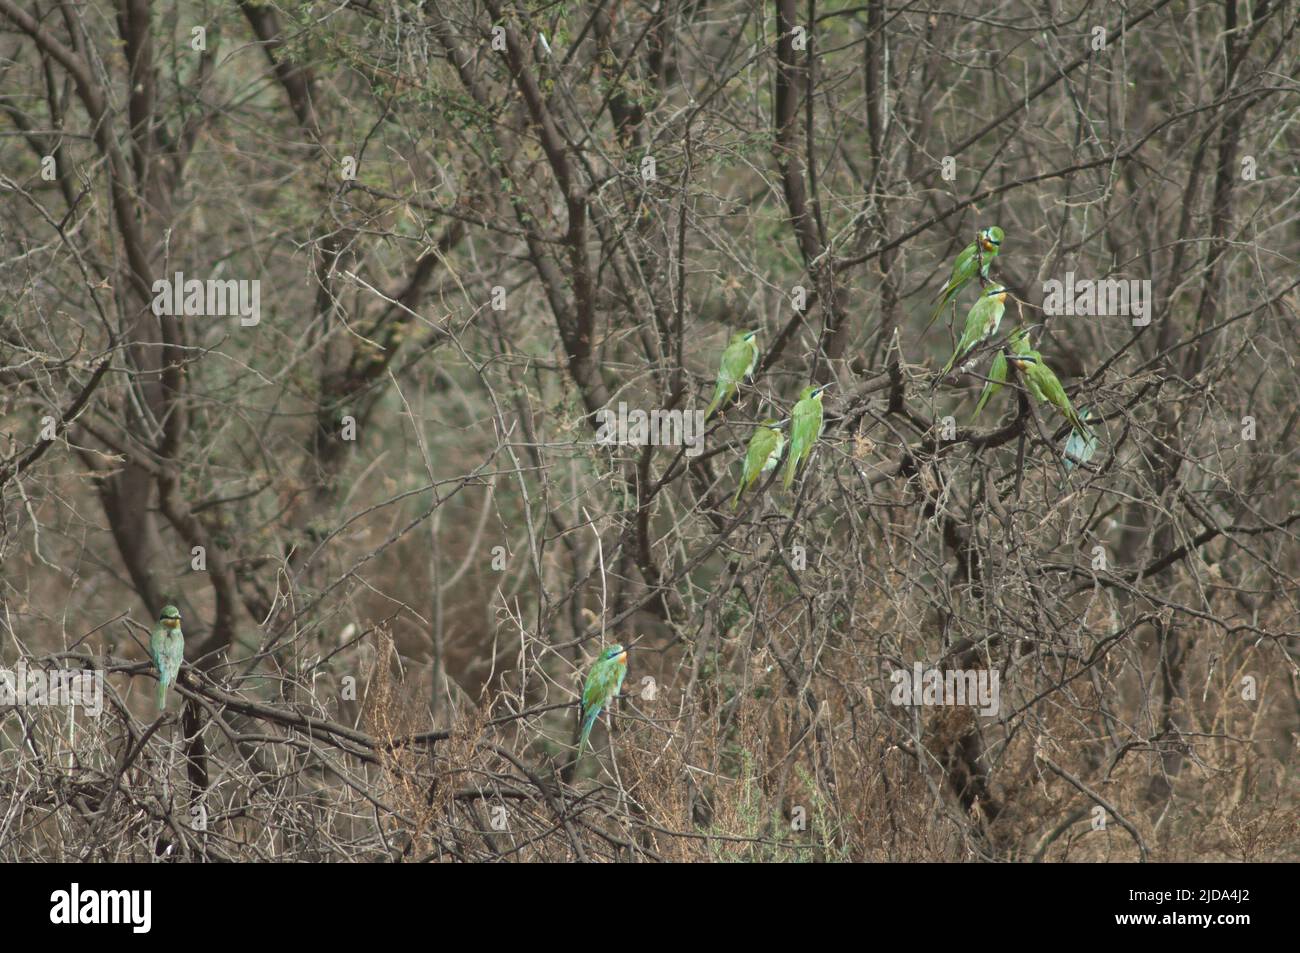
x: 167, y: 649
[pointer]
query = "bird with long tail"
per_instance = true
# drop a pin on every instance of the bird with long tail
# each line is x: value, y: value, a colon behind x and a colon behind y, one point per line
x: 972, y: 260
x: 604, y: 682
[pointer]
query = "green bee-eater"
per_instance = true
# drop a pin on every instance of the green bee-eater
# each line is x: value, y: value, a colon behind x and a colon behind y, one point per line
x: 997, y: 377
x: 1080, y: 447
x: 805, y: 427
x: 981, y: 323
x: 604, y: 681
x: 974, y: 258
x: 167, y: 649
x: 998, y: 369
x: 1043, y: 385
x: 737, y: 363
x: 761, y: 456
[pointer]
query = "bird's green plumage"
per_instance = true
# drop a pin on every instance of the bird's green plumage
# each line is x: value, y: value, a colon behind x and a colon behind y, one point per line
x: 738, y: 360
x: 1044, y: 386
x: 805, y: 428
x: 998, y: 369
x: 762, y: 455
x: 982, y: 323
x: 997, y: 377
x: 604, y: 681
x: 167, y: 649
x: 974, y: 259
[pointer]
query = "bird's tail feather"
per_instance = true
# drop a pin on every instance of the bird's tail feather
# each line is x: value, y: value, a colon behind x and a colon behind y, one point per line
x: 1077, y: 422
x: 162, y: 694
x: 934, y: 384
x: 719, y: 398
x: 944, y: 296
x: 587, y: 724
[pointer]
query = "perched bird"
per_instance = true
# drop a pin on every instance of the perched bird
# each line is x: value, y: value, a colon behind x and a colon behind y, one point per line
x: 737, y: 363
x: 1080, y: 447
x: 806, y: 426
x: 998, y: 369
x: 761, y: 456
x: 167, y: 649
x: 974, y: 258
x: 982, y: 323
x: 604, y: 681
x: 1044, y: 386
x: 997, y: 377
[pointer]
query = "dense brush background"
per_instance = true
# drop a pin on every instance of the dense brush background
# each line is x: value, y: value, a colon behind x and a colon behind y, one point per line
x: 464, y: 559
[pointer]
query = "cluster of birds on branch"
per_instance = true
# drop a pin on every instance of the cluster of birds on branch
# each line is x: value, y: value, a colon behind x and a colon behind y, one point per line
x: 767, y: 442
x: 982, y: 322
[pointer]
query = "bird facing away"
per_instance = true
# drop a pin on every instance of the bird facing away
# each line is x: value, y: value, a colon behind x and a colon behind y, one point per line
x: 1044, y: 386
x: 806, y: 426
x: 761, y: 456
x: 167, y: 649
x: 998, y: 369
x: 981, y: 324
x: 737, y: 363
x: 604, y: 681
x: 1080, y: 447
x: 974, y: 258
x: 997, y: 377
